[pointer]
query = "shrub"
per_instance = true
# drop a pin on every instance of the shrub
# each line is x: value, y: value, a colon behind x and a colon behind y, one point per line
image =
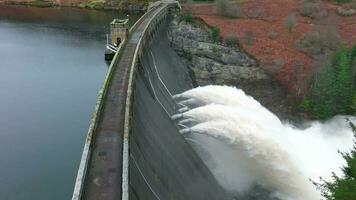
x: 311, y: 43
x: 187, y: 17
x: 353, y: 5
x: 343, y: 1
x: 273, y: 66
x: 226, y: 8
x: 220, y: 7
x: 233, y: 11
x: 278, y: 63
x: 304, y: 104
x: 215, y: 33
x: 256, y: 13
x: 260, y: 12
x: 291, y: 22
x: 309, y: 8
x: 231, y: 41
x: 345, y: 11
x: 272, y: 35
x: 325, y: 39
x: 187, y: 11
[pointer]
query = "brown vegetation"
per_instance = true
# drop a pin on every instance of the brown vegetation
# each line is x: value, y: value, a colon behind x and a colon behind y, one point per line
x: 290, y: 56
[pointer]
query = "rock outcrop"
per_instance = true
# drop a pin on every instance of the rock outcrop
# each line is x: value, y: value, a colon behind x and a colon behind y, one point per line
x: 212, y: 63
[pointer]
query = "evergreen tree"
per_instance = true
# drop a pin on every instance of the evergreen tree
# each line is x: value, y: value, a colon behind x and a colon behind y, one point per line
x: 343, y: 82
x: 333, y: 88
x: 353, y: 52
x: 343, y: 188
x: 322, y: 91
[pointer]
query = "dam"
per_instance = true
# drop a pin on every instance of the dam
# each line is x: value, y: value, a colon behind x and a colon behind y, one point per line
x: 134, y: 149
x: 154, y: 136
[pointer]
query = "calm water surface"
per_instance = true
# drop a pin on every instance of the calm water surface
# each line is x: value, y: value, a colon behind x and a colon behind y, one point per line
x: 51, y: 69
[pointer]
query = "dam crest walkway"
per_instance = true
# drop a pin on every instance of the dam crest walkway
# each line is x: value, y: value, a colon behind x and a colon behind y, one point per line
x: 100, y: 174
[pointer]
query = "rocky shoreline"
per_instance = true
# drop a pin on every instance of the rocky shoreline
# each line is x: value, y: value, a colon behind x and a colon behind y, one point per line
x: 216, y: 63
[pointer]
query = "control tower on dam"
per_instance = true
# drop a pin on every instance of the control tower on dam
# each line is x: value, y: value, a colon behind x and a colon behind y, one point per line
x: 134, y: 150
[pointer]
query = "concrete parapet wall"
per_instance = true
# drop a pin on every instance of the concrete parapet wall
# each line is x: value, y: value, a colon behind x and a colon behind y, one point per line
x: 145, y: 38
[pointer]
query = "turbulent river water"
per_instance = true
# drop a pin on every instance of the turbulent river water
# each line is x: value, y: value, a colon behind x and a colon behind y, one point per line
x: 51, y: 69
x: 245, y: 144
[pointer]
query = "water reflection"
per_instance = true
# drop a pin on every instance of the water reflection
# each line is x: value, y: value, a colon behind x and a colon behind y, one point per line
x: 51, y: 68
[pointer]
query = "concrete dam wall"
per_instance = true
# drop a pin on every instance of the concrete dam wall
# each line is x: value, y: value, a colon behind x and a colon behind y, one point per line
x: 133, y: 148
x: 162, y: 165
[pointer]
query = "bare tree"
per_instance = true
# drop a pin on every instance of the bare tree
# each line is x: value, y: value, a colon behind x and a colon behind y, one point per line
x: 323, y: 39
x: 188, y: 7
x: 291, y: 22
x: 226, y: 8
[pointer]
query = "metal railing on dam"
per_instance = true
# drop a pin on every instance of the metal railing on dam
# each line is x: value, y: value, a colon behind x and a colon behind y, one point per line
x: 133, y: 149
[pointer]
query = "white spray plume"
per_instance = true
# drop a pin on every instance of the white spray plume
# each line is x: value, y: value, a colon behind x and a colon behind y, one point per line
x: 243, y: 143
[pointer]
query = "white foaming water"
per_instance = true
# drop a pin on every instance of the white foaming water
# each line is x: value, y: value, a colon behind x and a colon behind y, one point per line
x: 243, y: 143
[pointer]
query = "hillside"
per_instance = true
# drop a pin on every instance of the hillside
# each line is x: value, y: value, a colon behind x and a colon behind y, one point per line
x: 262, y: 30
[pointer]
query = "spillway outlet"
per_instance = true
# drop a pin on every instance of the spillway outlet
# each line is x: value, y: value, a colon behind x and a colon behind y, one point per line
x: 185, y: 131
x: 177, y: 116
x: 184, y: 109
x: 186, y: 121
x: 177, y: 96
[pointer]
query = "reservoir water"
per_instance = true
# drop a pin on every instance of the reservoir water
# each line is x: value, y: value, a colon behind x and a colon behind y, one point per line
x: 51, y: 69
